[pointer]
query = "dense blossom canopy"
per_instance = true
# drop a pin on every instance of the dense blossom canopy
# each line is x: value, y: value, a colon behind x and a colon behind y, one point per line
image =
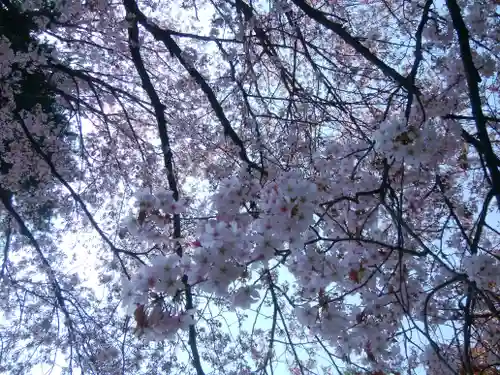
x: 250, y: 187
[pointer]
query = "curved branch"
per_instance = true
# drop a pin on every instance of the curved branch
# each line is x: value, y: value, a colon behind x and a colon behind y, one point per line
x: 473, y: 78
x: 159, y: 108
x: 165, y: 37
x: 74, y: 195
x: 338, y: 29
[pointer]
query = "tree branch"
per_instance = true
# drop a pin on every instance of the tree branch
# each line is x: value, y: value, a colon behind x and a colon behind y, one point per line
x: 338, y: 29
x: 159, y: 108
x: 165, y: 37
x: 473, y: 78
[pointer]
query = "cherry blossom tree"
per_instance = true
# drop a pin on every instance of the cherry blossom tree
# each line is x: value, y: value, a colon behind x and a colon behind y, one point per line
x: 250, y: 187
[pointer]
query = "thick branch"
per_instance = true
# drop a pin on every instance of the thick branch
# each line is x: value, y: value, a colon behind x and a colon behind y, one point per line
x: 159, y: 108
x: 338, y: 29
x: 418, y: 53
x: 165, y: 36
x: 192, y: 334
x: 473, y: 78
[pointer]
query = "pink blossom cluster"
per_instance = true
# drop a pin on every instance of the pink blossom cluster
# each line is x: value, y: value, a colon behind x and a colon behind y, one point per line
x: 281, y: 227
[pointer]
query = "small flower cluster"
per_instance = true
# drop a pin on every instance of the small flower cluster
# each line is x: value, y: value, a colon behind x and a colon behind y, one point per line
x: 424, y: 144
x: 155, y: 211
x: 444, y: 363
x: 153, y: 294
x: 483, y: 270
